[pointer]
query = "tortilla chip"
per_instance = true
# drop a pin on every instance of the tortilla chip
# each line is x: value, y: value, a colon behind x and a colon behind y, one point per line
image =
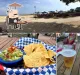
x: 51, y: 53
x: 52, y: 62
x: 35, y: 59
x: 33, y: 47
x: 43, y: 51
x: 37, y: 55
x: 29, y: 48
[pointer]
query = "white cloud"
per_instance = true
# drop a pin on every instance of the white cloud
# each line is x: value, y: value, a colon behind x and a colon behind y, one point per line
x: 74, y: 5
x: 59, y: 5
x: 38, y: 2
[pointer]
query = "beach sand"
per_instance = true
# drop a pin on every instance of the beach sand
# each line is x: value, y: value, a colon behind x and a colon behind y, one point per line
x: 71, y: 24
x: 29, y: 18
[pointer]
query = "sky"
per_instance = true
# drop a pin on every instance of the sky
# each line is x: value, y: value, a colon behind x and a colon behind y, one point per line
x: 41, y: 5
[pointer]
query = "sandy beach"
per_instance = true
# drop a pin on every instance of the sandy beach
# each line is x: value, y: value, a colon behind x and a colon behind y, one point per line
x: 71, y: 24
x: 29, y: 18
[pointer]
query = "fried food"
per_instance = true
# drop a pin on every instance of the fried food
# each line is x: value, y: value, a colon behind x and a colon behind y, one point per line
x: 37, y: 55
x: 51, y: 53
x: 31, y: 48
x: 35, y: 59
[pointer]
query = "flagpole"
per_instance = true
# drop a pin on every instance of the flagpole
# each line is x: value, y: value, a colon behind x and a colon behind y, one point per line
x: 35, y: 11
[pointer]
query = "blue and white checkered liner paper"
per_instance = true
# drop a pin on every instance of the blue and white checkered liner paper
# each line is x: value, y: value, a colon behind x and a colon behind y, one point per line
x: 44, y: 70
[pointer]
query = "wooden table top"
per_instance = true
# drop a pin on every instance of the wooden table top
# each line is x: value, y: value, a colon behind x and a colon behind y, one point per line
x: 6, y: 41
x: 75, y: 69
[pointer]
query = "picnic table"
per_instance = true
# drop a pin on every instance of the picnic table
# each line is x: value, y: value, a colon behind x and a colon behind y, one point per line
x: 75, y: 69
x: 7, y: 41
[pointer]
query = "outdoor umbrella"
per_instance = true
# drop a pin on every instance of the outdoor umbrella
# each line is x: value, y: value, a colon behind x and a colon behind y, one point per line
x: 15, y: 5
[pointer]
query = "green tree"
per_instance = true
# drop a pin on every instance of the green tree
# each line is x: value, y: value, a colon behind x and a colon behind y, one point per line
x: 77, y: 9
x: 69, y: 1
x: 71, y: 10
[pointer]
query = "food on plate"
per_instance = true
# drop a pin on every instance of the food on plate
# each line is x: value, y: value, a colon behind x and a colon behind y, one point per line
x: 11, y: 53
x: 31, y: 48
x: 35, y: 59
x: 35, y: 47
x: 43, y: 51
x: 51, y: 53
x: 37, y: 55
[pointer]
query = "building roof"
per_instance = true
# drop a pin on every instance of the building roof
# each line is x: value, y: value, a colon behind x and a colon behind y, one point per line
x: 15, y: 5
